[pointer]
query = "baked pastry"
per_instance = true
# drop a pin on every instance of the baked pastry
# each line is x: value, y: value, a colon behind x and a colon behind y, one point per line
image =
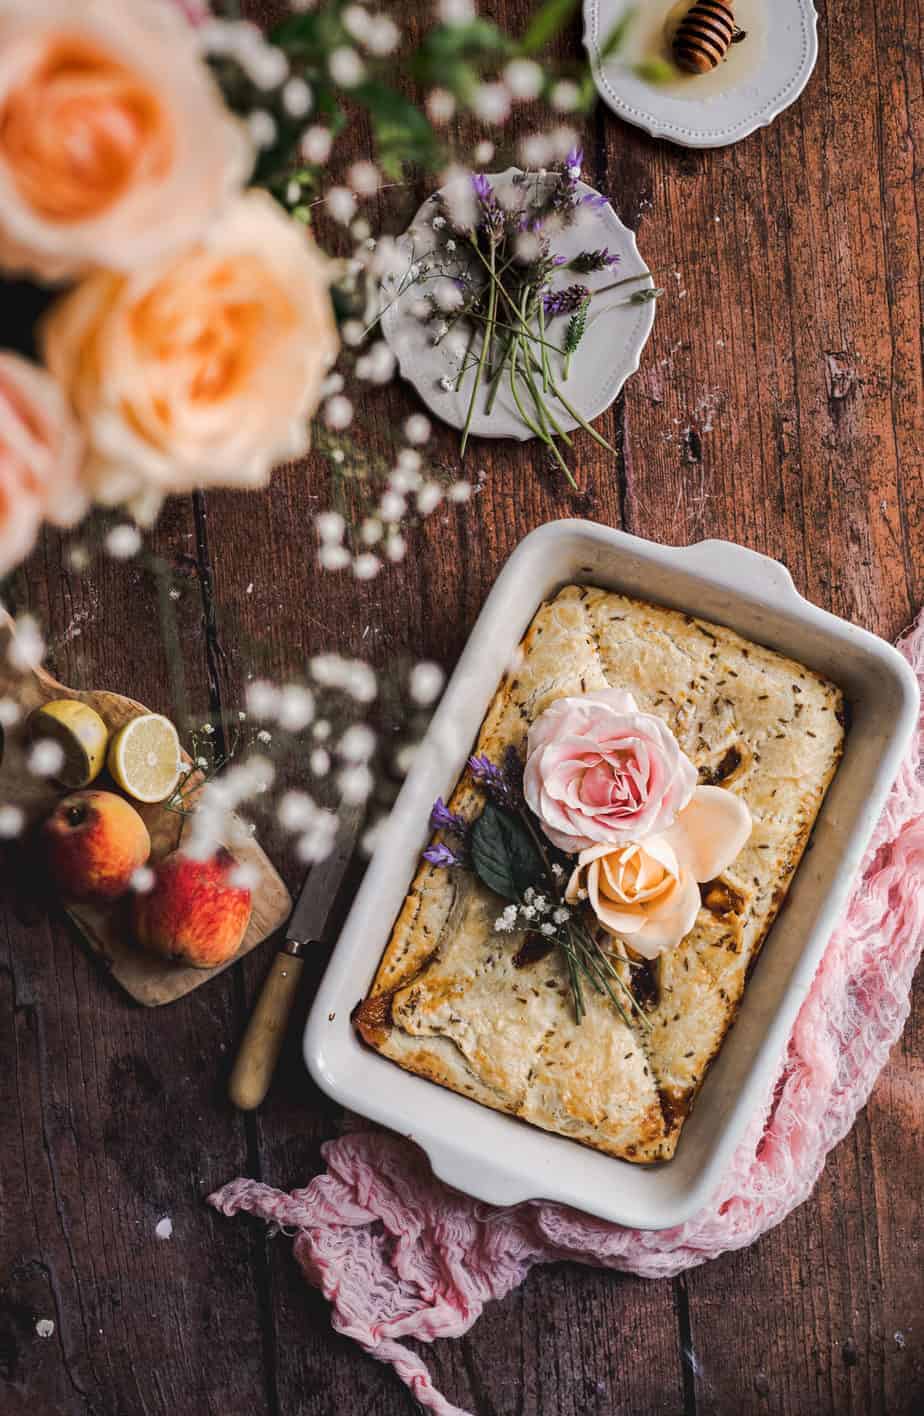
x: 490, y: 1015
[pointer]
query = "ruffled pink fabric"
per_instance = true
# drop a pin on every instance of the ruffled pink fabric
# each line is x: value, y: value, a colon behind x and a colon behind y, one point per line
x: 398, y: 1254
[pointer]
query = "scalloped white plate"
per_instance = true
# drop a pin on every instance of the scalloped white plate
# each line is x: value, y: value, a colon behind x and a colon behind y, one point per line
x: 759, y: 79
x: 616, y: 333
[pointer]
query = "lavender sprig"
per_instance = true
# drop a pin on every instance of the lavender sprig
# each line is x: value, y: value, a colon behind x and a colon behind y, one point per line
x: 565, y: 302
x: 502, y: 785
x: 442, y: 819
x: 590, y: 261
x: 443, y: 855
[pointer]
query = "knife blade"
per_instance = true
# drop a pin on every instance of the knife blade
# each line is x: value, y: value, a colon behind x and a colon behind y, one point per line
x: 321, y: 886
x: 262, y: 1042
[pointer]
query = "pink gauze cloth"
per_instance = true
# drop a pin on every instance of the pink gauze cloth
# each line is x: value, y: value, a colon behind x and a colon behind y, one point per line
x: 399, y: 1254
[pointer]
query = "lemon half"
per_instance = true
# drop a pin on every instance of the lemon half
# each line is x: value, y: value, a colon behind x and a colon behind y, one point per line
x: 80, y: 733
x: 145, y: 758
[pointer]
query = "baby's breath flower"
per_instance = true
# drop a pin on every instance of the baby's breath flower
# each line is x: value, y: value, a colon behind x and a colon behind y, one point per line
x: 10, y: 712
x: 426, y: 683
x: 296, y: 707
x: 484, y: 152
x: 296, y: 811
x: 316, y: 144
x: 123, y: 542
x: 296, y: 98
x: 262, y: 698
x: 142, y: 880
x: 45, y: 758
x: 330, y: 526
x: 547, y: 929
x: 319, y: 762
x: 341, y: 204
x: 262, y: 127
x: 440, y: 106
x: 12, y: 821
x: 334, y: 557
x: 429, y: 498
x: 523, y: 78
x: 355, y: 783
x: 383, y: 36
x: 345, y: 67
x: 364, y: 178
x: 338, y: 412
x: 417, y: 429
x: 366, y: 566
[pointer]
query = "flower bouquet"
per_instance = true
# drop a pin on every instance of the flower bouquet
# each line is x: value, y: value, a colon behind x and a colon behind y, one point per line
x: 599, y: 841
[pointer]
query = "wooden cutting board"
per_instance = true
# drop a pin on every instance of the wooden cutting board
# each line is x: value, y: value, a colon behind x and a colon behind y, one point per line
x: 150, y: 980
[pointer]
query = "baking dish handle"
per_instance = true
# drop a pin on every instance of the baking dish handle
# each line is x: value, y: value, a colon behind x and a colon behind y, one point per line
x: 742, y: 569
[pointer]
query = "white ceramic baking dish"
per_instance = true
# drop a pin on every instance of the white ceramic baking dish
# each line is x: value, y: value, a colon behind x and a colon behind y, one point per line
x: 499, y: 1158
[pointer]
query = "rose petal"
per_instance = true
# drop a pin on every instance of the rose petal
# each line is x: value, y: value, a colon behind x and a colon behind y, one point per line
x: 710, y: 831
x: 668, y: 919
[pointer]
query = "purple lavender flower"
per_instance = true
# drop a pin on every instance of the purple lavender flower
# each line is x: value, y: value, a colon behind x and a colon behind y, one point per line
x: 503, y: 785
x: 442, y: 819
x: 565, y: 302
x: 574, y: 162
x: 443, y: 856
x: 491, y: 213
x: 594, y: 200
x: 589, y: 261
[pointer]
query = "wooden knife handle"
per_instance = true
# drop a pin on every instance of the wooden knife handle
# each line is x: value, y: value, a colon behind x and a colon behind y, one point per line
x: 262, y: 1042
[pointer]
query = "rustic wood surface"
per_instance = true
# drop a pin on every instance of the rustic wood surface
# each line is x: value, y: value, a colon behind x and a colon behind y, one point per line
x: 778, y: 404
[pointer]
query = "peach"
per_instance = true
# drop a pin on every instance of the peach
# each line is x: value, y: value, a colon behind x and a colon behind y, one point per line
x: 93, y: 843
x: 193, y: 913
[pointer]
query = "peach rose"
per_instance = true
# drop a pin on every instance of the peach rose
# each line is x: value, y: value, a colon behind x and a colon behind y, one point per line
x: 647, y: 892
x: 599, y: 770
x: 40, y: 458
x: 115, y: 144
x: 204, y: 369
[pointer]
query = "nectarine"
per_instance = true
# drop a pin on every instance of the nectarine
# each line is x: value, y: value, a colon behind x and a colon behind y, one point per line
x: 94, y: 841
x: 193, y: 913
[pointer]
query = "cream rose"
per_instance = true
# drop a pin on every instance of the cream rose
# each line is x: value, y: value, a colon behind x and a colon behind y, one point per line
x: 115, y: 144
x: 647, y: 892
x: 599, y: 770
x: 204, y: 369
x: 40, y: 458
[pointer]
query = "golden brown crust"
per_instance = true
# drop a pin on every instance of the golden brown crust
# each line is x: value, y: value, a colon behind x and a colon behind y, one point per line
x: 457, y: 1003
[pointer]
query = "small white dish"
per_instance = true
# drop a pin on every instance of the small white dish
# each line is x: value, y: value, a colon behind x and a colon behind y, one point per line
x: 758, y: 79
x: 617, y: 331
x: 503, y: 1160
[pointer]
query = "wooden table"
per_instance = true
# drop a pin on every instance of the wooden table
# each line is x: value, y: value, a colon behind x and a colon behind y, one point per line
x: 778, y: 405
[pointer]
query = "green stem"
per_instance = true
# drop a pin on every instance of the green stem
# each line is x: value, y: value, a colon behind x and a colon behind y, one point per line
x: 492, y: 306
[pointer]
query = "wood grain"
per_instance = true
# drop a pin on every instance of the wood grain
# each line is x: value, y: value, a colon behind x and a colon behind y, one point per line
x: 778, y: 404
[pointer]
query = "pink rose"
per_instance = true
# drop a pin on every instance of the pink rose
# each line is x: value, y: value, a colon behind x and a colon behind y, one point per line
x: 647, y: 892
x: 115, y: 143
x: 599, y: 770
x: 40, y: 458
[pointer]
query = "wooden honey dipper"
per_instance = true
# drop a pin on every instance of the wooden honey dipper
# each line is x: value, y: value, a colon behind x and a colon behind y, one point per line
x: 703, y: 36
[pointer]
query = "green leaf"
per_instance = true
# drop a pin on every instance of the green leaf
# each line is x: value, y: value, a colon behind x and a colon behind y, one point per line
x: 546, y: 23
x: 504, y: 854
x: 402, y: 132
x: 616, y: 37
x: 655, y: 70
x: 576, y: 326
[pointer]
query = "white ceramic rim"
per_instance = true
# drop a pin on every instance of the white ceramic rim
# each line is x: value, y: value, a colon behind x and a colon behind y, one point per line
x: 498, y: 1158
x: 641, y: 104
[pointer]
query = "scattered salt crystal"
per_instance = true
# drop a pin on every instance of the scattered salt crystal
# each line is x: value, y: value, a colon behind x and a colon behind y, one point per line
x: 164, y: 1228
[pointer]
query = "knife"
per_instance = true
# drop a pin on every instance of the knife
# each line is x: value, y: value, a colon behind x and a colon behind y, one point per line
x: 262, y: 1042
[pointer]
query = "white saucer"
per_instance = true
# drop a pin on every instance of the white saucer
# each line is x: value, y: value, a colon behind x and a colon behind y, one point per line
x: 759, y: 78
x: 608, y: 353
